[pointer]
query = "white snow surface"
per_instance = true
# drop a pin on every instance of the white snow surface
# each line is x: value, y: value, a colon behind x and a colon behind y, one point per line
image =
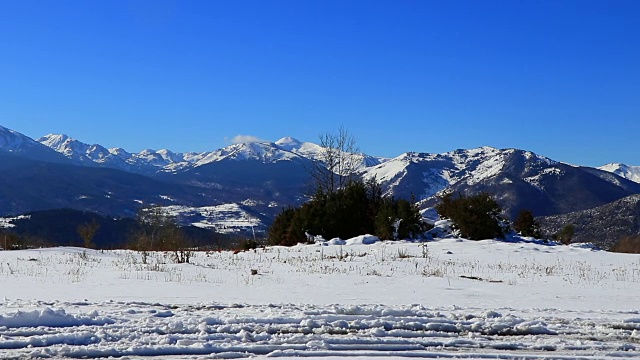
x: 361, y: 298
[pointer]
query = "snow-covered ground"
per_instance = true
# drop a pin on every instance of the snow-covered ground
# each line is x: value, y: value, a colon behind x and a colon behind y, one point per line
x: 450, y: 299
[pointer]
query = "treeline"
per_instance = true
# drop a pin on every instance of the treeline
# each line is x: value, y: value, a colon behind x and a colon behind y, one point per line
x: 68, y: 227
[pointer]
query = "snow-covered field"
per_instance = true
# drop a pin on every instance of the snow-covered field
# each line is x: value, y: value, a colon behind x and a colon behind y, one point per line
x: 451, y: 299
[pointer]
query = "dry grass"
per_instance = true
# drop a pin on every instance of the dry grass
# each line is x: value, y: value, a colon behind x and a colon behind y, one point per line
x: 627, y: 244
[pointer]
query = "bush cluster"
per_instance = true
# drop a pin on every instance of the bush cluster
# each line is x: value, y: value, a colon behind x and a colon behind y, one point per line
x: 477, y: 217
x: 356, y: 209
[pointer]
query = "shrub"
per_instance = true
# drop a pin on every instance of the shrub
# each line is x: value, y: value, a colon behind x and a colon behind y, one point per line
x: 358, y: 208
x: 287, y: 228
x: 399, y: 219
x: 476, y: 217
x: 566, y: 234
x: 248, y: 244
x: 627, y: 244
x: 526, y: 224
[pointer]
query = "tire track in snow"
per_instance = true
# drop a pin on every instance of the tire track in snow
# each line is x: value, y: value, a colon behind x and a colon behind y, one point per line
x: 121, y: 329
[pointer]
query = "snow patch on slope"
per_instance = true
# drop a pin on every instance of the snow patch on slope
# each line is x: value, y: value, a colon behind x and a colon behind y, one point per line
x: 536, y: 180
x: 225, y: 218
x: 7, y: 222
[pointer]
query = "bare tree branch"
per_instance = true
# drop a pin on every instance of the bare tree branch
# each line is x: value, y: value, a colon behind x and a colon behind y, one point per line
x: 339, y: 161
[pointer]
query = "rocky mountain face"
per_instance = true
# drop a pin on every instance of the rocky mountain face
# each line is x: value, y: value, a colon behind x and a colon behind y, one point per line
x: 602, y: 225
x: 259, y: 179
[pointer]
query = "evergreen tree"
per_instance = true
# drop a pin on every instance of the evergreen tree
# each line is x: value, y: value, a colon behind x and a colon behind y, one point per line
x: 526, y: 224
x: 477, y: 216
x: 566, y: 234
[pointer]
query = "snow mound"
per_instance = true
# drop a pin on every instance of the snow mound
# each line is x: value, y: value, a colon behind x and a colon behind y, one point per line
x: 362, y: 240
x: 51, y: 318
x: 336, y: 241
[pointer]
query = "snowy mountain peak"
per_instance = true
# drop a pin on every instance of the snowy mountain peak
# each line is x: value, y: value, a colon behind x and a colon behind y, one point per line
x: 289, y: 143
x: 628, y: 172
x: 13, y: 141
x: 54, y: 141
x: 302, y: 148
x: 262, y: 151
x: 74, y: 149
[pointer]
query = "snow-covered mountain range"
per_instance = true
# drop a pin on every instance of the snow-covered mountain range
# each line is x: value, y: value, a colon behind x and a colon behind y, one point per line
x: 153, y: 161
x: 263, y: 177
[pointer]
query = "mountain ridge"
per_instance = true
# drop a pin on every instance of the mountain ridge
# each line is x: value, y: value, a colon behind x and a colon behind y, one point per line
x: 168, y: 160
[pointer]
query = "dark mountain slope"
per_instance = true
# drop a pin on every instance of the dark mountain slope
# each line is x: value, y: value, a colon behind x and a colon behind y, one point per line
x: 29, y: 185
x: 602, y: 225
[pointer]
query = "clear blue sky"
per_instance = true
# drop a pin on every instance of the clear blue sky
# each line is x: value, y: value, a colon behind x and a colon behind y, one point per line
x: 560, y: 78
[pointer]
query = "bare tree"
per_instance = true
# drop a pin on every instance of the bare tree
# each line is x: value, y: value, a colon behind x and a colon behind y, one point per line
x: 339, y: 161
x: 160, y: 232
x: 87, y: 232
x: 152, y: 220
